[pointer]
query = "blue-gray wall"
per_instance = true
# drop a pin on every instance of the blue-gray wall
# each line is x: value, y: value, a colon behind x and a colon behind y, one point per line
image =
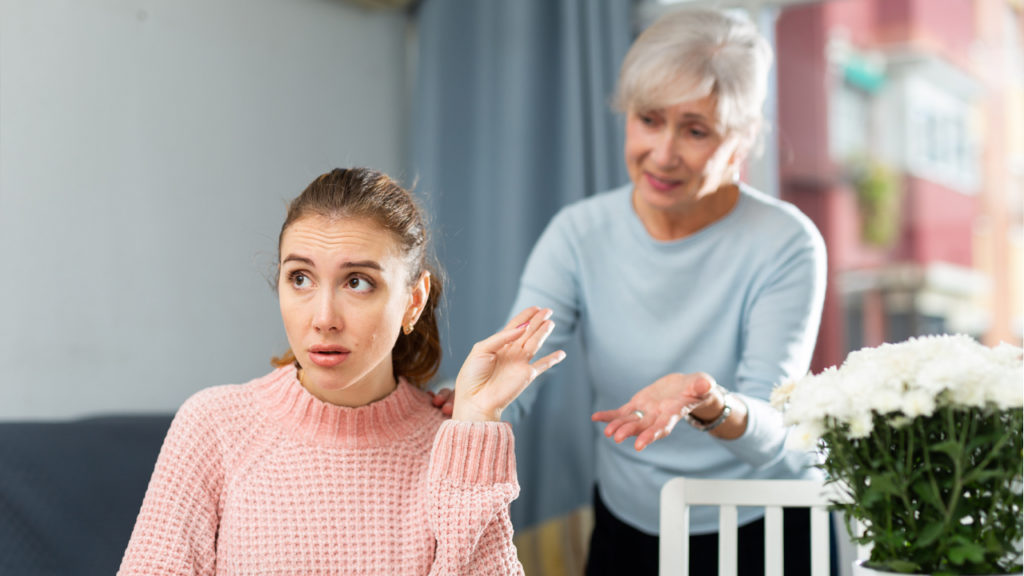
x: 146, y: 153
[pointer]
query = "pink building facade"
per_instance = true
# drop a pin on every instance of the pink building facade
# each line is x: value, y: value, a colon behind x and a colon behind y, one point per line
x: 892, y: 137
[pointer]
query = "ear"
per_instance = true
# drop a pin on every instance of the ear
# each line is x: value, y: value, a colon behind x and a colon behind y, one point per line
x: 417, y: 299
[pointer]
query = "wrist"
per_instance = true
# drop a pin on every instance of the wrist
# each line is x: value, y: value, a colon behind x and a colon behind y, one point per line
x: 472, y: 415
x: 712, y: 412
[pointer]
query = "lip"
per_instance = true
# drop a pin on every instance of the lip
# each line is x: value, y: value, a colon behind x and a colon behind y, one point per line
x: 326, y: 356
x: 661, y: 184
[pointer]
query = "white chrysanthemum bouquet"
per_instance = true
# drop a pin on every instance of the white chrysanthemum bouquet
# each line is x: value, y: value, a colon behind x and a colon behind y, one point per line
x: 925, y: 436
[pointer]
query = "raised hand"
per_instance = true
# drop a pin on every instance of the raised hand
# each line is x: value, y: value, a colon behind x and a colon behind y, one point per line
x: 498, y: 369
x: 654, y: 411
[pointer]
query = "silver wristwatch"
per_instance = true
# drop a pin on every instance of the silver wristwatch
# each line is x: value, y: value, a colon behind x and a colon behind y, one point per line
x: 703, y: 426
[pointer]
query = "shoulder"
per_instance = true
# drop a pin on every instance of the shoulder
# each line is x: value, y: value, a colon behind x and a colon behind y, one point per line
x: 597, y: 209
x: 592, y: 215
x: 215, y: 415
x: 777, y: 221
x: 210, y: 404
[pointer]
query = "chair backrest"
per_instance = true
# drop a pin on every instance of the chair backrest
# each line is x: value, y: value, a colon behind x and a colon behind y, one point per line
x: 679, y: 494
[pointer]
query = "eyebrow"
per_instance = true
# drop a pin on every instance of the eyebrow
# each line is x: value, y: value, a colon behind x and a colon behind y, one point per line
x: 372, y: 264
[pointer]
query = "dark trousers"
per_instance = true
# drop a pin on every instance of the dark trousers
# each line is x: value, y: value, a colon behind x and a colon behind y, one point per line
x: 617, y: 548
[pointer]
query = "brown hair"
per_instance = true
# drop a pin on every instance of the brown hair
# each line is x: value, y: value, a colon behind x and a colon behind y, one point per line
x: 365, y: 193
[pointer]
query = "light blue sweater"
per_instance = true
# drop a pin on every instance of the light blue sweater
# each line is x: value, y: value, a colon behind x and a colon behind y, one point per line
x: 740, y: 299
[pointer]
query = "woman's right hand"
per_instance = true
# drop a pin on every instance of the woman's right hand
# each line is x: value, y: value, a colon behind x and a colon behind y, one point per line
x: 498, y: 369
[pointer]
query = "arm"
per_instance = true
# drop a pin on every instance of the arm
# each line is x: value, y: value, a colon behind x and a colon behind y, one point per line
x: 779, y: 334
x: 177, y: 526
x: 779, y: 338
x: 549, y: 280
x: 472, y: 476
x: 472, y: 482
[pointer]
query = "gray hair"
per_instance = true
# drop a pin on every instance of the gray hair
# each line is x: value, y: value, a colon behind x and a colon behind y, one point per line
x: 689, y: 54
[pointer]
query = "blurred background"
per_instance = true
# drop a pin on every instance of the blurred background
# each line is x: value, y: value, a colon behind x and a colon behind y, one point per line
x: 148, y: 149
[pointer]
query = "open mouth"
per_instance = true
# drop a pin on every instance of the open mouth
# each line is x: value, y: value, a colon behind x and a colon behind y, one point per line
x: 328, y: 356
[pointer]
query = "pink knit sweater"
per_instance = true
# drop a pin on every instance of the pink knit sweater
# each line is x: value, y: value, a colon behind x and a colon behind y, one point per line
x: 263, y: 478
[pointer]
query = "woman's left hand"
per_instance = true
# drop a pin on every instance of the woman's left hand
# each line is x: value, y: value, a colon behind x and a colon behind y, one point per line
x: 498, y: 369
x: 654, y: 411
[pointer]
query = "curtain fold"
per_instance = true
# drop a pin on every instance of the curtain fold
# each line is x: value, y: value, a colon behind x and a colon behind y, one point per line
x: 511, y: 121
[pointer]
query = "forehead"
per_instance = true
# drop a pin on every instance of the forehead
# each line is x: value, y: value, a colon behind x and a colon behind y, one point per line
x: 346, y: 238
x: 704, y: 106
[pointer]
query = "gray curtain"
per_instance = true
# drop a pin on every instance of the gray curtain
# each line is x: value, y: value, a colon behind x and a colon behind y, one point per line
x: 511, y: 121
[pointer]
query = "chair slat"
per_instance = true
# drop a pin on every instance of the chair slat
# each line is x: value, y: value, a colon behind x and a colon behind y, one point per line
x: 728, y: 540
x: 675, y: 529
x: 773, y: 541
x: 819, y: 542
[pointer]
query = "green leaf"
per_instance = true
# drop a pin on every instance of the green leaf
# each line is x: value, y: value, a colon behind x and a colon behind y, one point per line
x: 885, y: 483
x: 870, y: 497
x: 951, y: 448
x: 924, y: 492
x: 904, y: 566
x: 929, y: 534
x: 967, y: 551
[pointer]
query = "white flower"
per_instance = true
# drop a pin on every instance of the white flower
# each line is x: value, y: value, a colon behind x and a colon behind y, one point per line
x: 804, y: 437
x: 860, y: 425
x: 902, y: 382
x: 917, y: 403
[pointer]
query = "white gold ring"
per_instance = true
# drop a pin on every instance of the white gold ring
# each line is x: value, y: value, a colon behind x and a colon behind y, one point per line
x: 639, y: 414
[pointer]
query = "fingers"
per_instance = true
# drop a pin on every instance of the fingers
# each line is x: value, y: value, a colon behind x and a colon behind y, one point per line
x: 604, y: 415
x: 531, y: 324
x: 662, y: 427
x: 621, y: 422
x: 523, y: 317
x: 495, y: 341
x: 541, y: 366
x: 442, y: 396
x: 624, y: 422
x: 536, y: 334
x: 700, y: 385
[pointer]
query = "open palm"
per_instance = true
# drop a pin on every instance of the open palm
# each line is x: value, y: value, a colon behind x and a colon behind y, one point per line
x: 499, y: 368
x: 654, y: 411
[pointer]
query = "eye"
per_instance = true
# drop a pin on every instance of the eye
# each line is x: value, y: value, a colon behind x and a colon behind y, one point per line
x: 698, y: 132
x: 359, y: 284
x: 647, y: 119
x: 298, y: 279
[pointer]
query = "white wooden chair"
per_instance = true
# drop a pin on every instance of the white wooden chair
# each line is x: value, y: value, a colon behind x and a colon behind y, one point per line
x: 679, y: 494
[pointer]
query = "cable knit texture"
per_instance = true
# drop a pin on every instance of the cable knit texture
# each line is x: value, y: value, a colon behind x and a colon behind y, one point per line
x: 263, y: 478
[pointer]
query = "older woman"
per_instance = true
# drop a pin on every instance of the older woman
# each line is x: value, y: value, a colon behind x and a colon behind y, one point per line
x: 336, y: 462
x: 694, y: 294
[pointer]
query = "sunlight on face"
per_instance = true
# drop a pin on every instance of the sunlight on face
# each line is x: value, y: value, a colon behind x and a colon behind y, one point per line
x: 677, y: 155
x: 344, y: 292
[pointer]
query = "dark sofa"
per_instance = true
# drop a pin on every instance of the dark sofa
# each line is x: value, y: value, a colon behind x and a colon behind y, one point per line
x: 70, y: 492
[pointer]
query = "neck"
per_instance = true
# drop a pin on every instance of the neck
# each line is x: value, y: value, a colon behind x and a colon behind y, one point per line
x: 370, y: 389
x: 677, y: 223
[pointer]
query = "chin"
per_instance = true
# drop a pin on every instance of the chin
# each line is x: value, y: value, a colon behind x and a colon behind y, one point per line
x: 664, y: 200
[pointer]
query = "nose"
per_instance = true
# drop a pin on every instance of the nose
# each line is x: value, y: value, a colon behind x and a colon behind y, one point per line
x: 326, y: 317
x: 664, y: 153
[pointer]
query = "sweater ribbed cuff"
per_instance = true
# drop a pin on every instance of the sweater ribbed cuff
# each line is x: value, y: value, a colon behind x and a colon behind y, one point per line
x: 474, y: 453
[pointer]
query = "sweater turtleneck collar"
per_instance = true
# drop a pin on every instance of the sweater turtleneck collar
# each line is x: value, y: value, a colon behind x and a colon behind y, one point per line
x: 394, y: 417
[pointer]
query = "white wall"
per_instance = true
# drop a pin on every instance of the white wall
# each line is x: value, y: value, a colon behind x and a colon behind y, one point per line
x: 147, y: 149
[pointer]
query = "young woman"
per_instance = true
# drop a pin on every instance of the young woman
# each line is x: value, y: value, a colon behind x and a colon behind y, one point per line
x: 337, y: 462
